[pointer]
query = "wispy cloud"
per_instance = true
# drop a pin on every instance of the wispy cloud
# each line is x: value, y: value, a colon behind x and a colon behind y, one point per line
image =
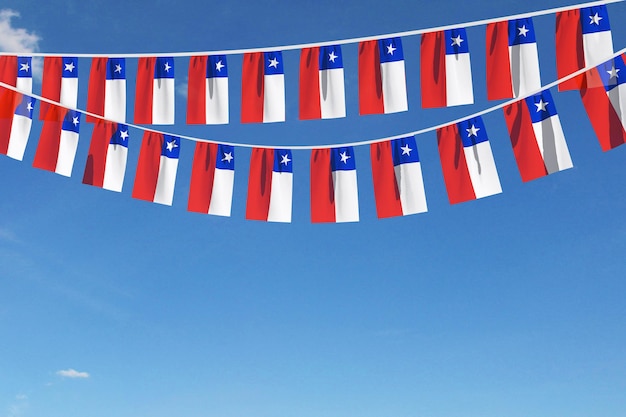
x: 15, y: 39
x: 181, y: 89
x: 72, y: 373
x: 18, y: 409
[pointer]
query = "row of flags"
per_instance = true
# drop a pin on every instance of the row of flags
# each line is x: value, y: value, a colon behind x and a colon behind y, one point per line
x: 583, y: 38
x: 468, y: 165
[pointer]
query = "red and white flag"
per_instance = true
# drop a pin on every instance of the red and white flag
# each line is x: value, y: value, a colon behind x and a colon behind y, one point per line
x: 155, y: 91
x: 108, y: 153
x: 58, y: 141
x: 263, y: 88
x: 156, y: 168
x: 107, y: 89
x: 446, y: 73
x: 322, y: 93
x: 270, y: 185
x: 207, y: 92
x: 60, y: 84
x: 16, y: 119
x: 212, y: 179
x: 17, y: 71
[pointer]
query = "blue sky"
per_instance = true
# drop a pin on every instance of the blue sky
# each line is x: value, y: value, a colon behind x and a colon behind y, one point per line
x: 509, y: 305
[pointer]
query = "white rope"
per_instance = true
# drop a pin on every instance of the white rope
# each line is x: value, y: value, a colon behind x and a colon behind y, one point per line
x: 335, y: 145
x: 335, y: 42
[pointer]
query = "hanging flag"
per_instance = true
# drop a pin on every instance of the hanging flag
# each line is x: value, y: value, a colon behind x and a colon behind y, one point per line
x: 583, y: 39
x: 469, y: 170
x: 398, y: 182
x: 263, y: 88
x: 58, y: 141
x: 108, y: 152
x: 156, y: 168
x: 537, y: 136
x: 107, y: 89
x: 212, y: 179
x: 15, y: 130
x: 603, y: 93
x: 512, y: 59
x: 207, y: 92
x: 154, y: 97
x: 322, y: 94
x: 17, y: 71
x: 334, y: 192
x: 382, y: 79
x: 446, y: 73
x: 60, y: 84
x: 270, y: 185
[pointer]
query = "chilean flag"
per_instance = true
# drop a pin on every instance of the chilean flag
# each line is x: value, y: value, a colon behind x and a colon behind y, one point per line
x: 59, y: 84
x: 212, y: 179
x: 156, y: 168
x: 108, y: 152
x: 107, y: 89
x: 469, y: 170
x: 512, y: 60
x: 334, y: 192
x: 17, y: 71
x: 154, y: 96
x: 58, y: 141
x: 270, y: 185
x: 263, y: 88
x: 382, y: 79
x: 15, y: 129
x: 207, y: 92
x: 537, y: 136
x: 398, y: 182
x: 604, y: 96
x: 583, y: 39
x: 446, y: 73
x: 322, y: 94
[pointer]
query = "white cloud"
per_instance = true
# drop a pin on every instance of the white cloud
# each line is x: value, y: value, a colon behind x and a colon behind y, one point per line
x: 21, y: 397
x: 72, y: 373
x: 15, y: 39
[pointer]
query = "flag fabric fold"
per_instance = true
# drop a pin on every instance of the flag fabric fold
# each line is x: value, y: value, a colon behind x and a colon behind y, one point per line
x: 382, y: 78
x: 322, y: 93
x: 446, y: 72
x: 398, y: 181
x: 469, y: 169
x: 58, y: 141
x: 59, y: 83
x: 537, y: 136
x: 270, y: 185
x: 263, y: 88
x: 156, y: 168
x: 212, y: 179
x: 207, y: 92
x: 583, y: 38
x: 108, y: 153
x: 603, y: 94
x: 512, y: 59
x: 106, y: 95
x: 15, y: 127
x: 334, y: 192
x: 155, y: 91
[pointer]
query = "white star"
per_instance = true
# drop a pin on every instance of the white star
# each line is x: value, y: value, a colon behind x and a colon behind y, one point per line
x: 406, y: 150
x: 614, y: 72
x: 24, y: 67
x: 171, y: 145
x: 285, y: 159
x: 228, y: 156
x: 29, y: 106
x: 124, y: 134
x: 167, y: 66
x: 595, y: 19
x: 522, y: 31
x: 219, y: 65
x: 390, y: 49
x: 70, y: 67
x: 273, y: 63
x: 472, y: 131
x: 457, y: 41
x: 344, y: 157
x: 332, y: 56
x: 118, y: 68
x: 75, y: 121
x: 541, y: 106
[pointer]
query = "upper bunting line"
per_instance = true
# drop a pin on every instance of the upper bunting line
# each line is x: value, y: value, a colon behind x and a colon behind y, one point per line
x: 311, y: 147
x: 326, y: 43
